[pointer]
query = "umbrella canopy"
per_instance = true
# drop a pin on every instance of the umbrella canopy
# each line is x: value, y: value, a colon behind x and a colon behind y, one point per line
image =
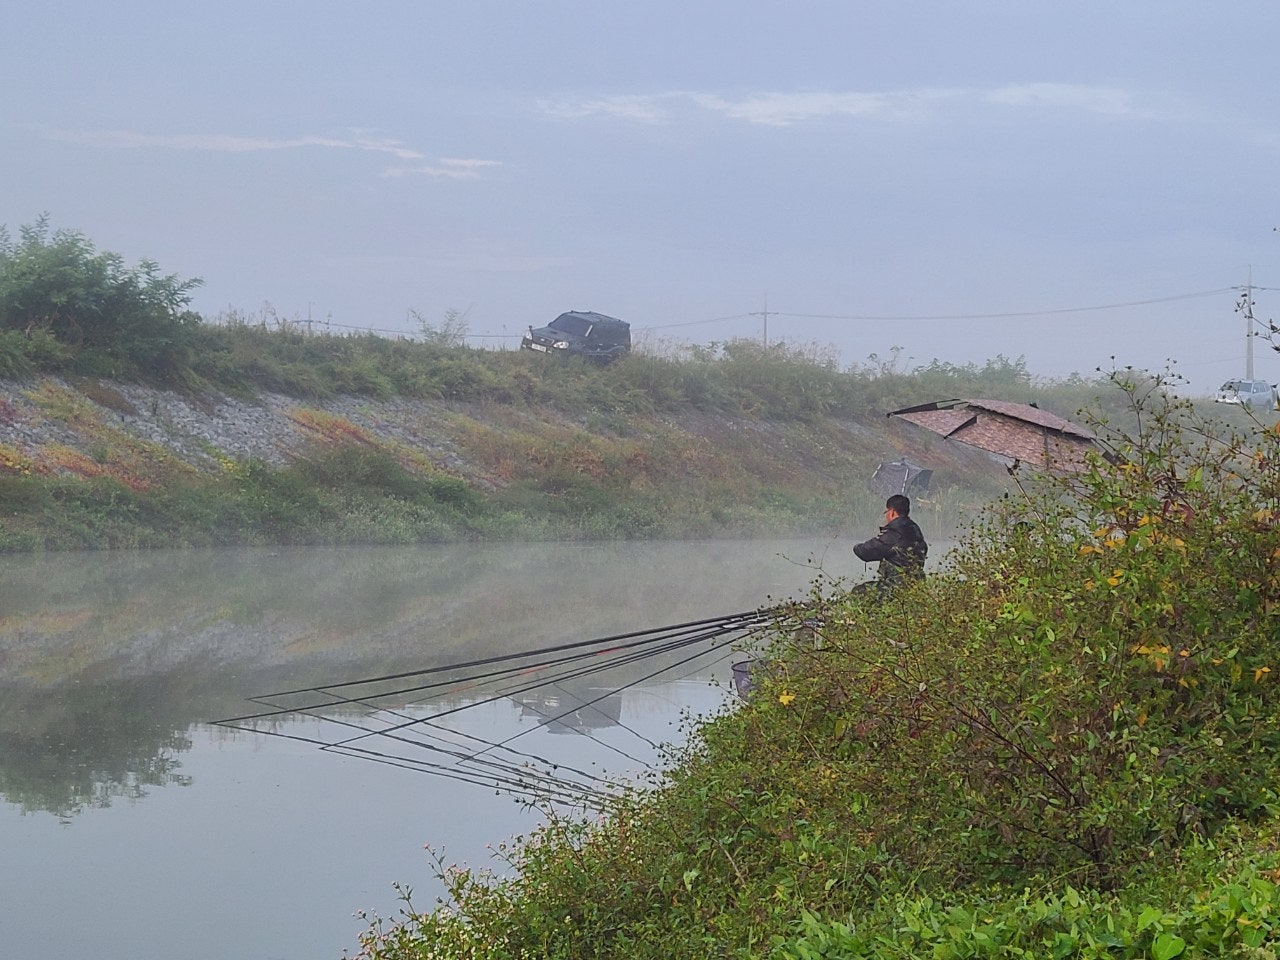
x: 1012, y: 431
x: 900, y: 476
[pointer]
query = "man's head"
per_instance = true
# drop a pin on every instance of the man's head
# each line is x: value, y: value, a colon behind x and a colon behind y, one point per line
x: 897, y: 506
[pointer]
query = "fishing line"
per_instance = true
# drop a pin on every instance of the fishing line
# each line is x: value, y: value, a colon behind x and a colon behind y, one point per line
x: 657, y: 673
x: 533, y: 784
x: 502, y: 658
x: 508, y: 676
x: 644, y: 637
x: 712, y: 634
x: 567, y: 792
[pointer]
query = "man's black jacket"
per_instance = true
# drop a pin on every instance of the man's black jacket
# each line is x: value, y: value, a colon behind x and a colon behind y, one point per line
x: 899, y: 547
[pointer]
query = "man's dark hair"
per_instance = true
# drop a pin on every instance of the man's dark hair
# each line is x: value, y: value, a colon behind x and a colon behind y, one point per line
x: 899, y: 504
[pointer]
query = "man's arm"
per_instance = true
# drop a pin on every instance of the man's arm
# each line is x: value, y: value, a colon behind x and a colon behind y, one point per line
x: 877, y: 548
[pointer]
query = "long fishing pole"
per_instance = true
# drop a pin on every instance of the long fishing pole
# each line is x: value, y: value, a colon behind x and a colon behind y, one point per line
x: 710, y: 634
x: 394, y: 732
x: 637, y: 638
x: 480, y: 767
x: 500, y: 658
x: 502, y: 743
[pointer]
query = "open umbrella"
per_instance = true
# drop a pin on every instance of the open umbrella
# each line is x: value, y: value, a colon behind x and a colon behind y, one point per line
x: 1014, y: 432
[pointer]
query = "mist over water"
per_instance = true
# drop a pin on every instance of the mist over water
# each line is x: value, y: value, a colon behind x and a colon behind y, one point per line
x: 130, y: 825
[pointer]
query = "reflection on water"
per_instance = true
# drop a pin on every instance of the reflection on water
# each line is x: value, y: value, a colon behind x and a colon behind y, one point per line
x: 409, y: 718
x: 592, y: 709
x: 107, y: 660
x: 111, y: 665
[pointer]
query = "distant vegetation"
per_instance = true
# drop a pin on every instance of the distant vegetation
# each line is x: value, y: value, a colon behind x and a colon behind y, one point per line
x: 617, y: 468
x: 67, y: 309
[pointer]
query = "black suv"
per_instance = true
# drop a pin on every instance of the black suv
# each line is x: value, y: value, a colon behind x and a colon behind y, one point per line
x: 581, y: 333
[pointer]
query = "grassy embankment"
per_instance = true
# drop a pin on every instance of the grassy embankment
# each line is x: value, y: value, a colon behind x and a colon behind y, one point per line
x: 729, y: 440
x: 1064, y: 745
x: 733, y: 441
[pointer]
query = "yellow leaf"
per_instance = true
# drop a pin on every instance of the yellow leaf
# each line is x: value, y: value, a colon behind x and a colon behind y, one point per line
x: 1259, y: 673
x: 785, y: 698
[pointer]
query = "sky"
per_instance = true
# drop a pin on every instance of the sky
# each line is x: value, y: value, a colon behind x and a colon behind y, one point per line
x: 1072, y: 184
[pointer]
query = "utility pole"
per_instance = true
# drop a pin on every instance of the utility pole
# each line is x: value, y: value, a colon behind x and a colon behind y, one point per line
x: 1249, y: 332
x: 765, y: 315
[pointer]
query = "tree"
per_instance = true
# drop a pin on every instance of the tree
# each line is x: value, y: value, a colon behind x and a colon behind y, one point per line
x: 116, y: 319
x: 450, y: 332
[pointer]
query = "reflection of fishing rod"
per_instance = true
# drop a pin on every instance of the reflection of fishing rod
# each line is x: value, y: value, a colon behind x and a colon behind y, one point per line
x: 514, y: 674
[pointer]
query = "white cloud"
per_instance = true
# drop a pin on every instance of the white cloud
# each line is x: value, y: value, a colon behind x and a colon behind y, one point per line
x: 641, y: 109
x: 1105, y: 100
x: 894, y: 106
x: 230, y: 143
x: 450, y: 167
x: 781, y: 109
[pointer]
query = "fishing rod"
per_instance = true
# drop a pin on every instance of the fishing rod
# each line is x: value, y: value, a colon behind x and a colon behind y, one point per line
x: 633, y: 683
x: 684, y: 641
x: 621, y: 641
x: 394, y: 732
x: 505, y: 676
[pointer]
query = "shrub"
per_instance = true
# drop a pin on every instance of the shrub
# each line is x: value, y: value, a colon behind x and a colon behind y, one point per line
x: 1084, y: 701
x: 115, y: 319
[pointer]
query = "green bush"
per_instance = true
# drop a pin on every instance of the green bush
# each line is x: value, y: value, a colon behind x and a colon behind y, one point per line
x: 1083, y: 701
x: 1229, y: 916
x: 24, y: 354
x: 115, y: 320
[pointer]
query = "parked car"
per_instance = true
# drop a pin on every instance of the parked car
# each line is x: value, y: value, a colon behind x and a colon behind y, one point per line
x: 1257, y: 394
x: 581, y: 333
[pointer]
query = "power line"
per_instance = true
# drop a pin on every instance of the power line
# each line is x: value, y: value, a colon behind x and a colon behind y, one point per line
x: 1014, y: 314
x: 695, y: 323
x: 868, y: 317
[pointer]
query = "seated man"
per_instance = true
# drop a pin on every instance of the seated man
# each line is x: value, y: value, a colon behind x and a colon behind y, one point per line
x: 899, y: 547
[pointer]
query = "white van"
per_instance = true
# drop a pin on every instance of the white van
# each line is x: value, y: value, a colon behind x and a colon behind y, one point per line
x: 1257, y: 394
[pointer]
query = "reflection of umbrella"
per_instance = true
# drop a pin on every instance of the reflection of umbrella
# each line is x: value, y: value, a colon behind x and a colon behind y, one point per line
x: 1013, y: 431
x: 564, y: 711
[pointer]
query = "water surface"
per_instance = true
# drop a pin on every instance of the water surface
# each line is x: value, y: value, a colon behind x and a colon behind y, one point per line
x: 133, y: 828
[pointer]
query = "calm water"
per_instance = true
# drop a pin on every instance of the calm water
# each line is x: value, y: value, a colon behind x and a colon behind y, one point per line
x: 132, y: 828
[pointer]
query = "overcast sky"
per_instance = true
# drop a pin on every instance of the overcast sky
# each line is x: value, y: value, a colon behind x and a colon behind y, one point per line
x: 1064, y: 182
